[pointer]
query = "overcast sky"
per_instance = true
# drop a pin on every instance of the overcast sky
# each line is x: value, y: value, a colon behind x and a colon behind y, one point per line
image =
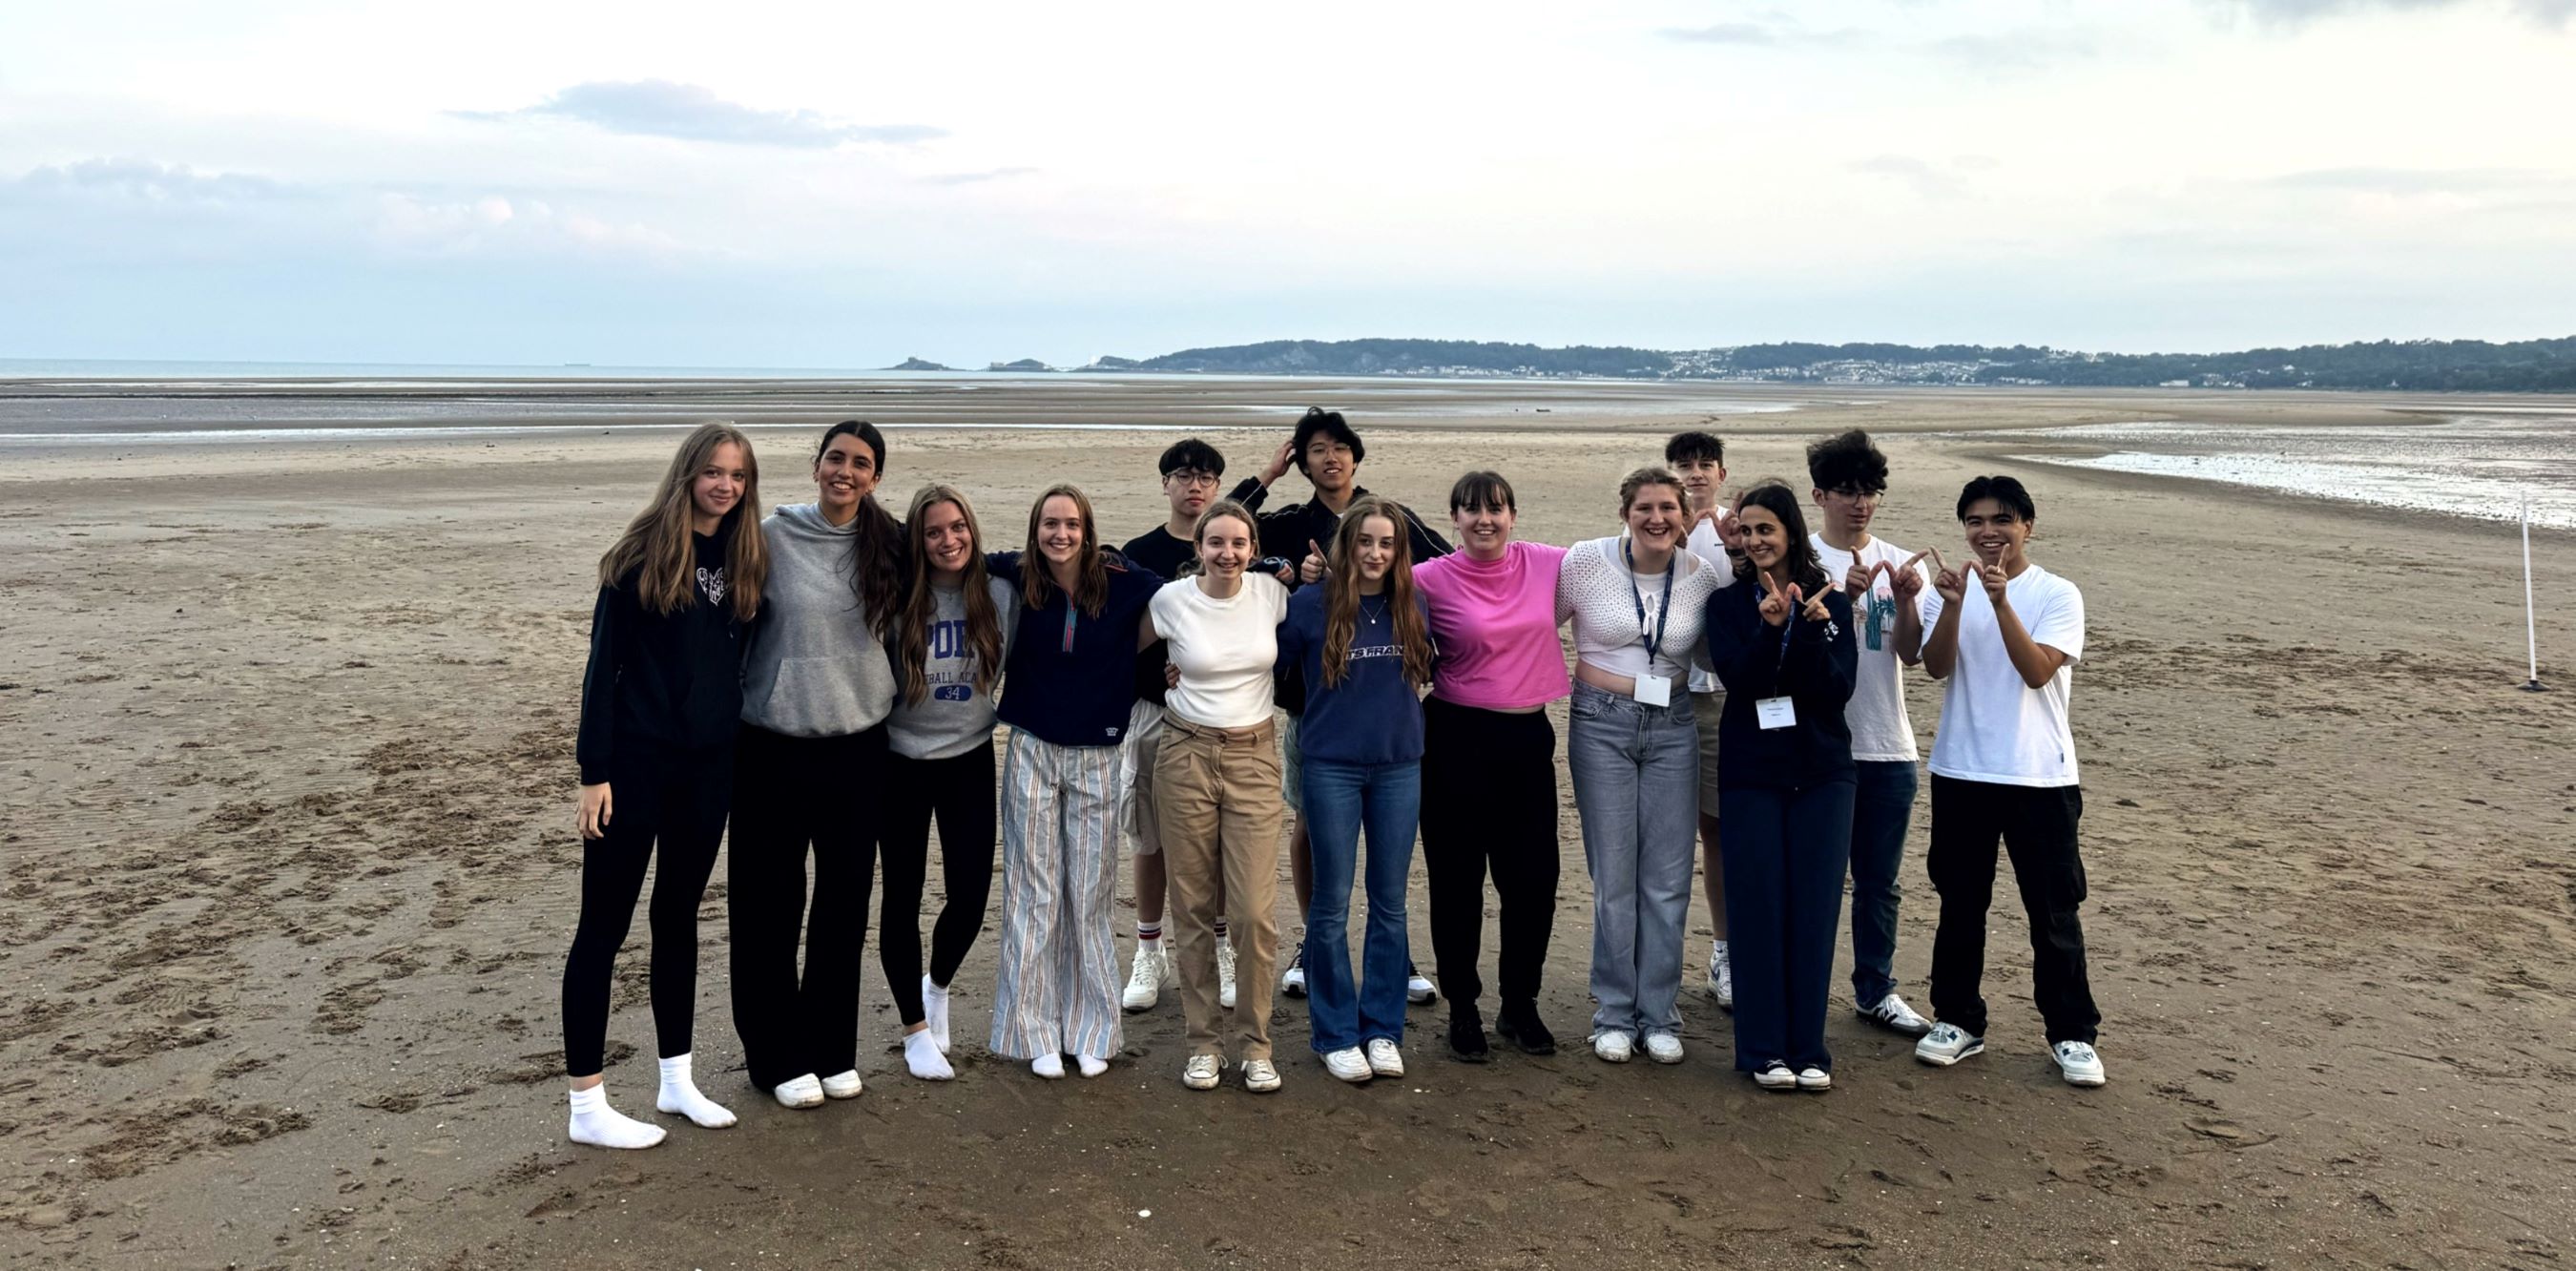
x: 838, y: 185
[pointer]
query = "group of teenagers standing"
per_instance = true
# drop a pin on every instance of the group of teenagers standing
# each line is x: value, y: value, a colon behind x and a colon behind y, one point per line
x: 829, y: 680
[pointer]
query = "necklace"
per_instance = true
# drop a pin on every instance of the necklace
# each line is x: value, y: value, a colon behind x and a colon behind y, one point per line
x: 1373, y: 616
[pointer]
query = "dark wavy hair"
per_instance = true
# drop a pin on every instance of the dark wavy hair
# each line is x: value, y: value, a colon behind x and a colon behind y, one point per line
x: 1331, y: 424
x: 1847, y: 461
x: 1804, y: 569
x: 876, y: 539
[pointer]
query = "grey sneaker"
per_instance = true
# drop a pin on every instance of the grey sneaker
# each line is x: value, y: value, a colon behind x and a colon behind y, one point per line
x: 2079, y: 1063
x: 1947, y: 1044
x: 1260, y: 1076
x: 1201, y: 1072
x: 1892, y: 1012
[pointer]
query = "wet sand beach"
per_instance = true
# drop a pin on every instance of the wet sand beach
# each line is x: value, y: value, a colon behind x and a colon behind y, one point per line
x: 289, y: 871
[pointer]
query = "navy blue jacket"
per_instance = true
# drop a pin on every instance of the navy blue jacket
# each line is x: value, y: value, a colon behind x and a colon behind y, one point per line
x: 1815, y: 671
x: 1071, y: 677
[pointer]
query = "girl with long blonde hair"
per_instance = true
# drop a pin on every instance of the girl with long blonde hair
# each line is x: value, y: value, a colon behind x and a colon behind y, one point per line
x: 949, y: 645
x: 1363, y: 640
x: 658, y: 702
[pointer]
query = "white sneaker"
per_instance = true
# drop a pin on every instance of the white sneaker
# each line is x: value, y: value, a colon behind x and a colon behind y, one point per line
x: 1947, y: 1044
x: 1260, y: 1076
x: 1663, y: 1047
x: 1293, y: 983
x: 1145, y: 978
x: 1721, y: 977
x: 799, y: 1092
x: 1418, y: 988
x: 1201, y: 1072
x: 1349, y: 1065
x: 1384, y: 1059
x: 1225, y: 974
x: 842, y: 1085
x: 1892, y: 1012
x: 1090, y: 1065
x: 1812, y: 1077
x: 2081, y: 1066
x: 1614, y: 1046
x: 1775, y: 1076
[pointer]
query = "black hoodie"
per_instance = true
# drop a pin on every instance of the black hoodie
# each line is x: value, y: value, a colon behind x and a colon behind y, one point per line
x: 662, y: 681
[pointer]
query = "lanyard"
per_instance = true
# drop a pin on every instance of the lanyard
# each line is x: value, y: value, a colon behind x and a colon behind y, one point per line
x: 1070, y: 610
x: 1653, y: 636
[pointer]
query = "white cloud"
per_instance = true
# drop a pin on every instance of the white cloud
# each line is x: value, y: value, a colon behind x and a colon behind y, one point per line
x: 688, y: 112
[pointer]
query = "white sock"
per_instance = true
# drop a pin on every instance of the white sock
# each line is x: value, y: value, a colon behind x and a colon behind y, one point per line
x: 1048, y: 1066
x: 934, y: 1012
x: 599, y: 1125
x: 921, y: 1054
x: 680, y: 1095
x: 1090, y: 1066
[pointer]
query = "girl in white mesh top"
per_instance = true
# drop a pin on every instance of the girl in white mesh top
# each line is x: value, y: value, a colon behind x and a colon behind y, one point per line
x: 1633, y: 750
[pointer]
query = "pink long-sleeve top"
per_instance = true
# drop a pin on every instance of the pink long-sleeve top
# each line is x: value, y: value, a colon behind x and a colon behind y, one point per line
x: 1495, y: 622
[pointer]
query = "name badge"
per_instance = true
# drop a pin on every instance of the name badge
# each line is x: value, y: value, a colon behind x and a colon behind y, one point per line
x: 1653, y: 690
x: 1776, y: 712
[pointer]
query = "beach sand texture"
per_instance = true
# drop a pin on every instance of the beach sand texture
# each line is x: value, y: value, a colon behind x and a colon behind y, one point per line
x: 290, y: 872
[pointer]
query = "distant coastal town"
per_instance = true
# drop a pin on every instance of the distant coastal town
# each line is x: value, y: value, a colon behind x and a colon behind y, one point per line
x: 2453, y: 366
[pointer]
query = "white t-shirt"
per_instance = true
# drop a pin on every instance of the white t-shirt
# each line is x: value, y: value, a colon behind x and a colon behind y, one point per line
x: 1595, y: 588
x: 1880, y: 730
x: 1994, y: 727
x: 1705, y: 544
x: 1225, y: 649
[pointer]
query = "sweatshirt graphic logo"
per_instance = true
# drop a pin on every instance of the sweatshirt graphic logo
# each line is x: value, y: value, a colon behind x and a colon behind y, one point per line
x: 711, y: 584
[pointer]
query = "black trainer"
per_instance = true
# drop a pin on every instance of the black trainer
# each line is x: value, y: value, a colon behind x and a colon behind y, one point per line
x: 1519, y: 1024
x: 1467, y: 1035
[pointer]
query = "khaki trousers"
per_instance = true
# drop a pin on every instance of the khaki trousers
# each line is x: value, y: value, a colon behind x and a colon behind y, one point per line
x: 1216, y: 797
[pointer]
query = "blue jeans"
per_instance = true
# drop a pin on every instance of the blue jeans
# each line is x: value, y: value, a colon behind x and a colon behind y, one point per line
x: 1882, y: 807
x: 1636, y: 782
x: 1342, y: 799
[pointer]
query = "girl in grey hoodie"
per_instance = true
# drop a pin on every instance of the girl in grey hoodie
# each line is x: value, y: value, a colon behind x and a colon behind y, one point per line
x: 809, y: 774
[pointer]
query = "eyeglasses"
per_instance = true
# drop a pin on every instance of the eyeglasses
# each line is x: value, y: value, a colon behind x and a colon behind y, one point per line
x: 1190, y: 477
x: 1855, y: 492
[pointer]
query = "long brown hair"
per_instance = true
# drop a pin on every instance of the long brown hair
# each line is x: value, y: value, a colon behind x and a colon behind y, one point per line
x: 1037, y: 579
x: 921, y: 607
x: 1342, y: 594
x: 656, y: 546
x: 876, y: 541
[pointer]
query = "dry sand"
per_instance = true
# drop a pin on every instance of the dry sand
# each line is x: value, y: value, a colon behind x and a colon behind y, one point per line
x: 290, y: 874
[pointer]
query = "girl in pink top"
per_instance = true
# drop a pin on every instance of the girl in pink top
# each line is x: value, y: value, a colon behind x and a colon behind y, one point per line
x: 1489, y: 762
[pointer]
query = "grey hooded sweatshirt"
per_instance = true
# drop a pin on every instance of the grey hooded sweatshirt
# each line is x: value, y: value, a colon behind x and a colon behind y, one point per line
x: 814, y: 669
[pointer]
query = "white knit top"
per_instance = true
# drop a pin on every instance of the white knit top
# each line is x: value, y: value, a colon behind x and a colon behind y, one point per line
x: 1597, y: 591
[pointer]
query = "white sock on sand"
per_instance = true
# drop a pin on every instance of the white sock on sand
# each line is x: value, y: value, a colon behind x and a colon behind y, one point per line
x: 921, y: 1055
x: 599, y: 1125
x: 1050, y: 1067
x: 680, y: 1095
x: 934, y: 1012
x: 1090, y: 1066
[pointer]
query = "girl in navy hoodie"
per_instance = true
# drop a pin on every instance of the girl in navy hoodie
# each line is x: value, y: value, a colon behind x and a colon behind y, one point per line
x: 658, y: 703
x: 1783, y: 648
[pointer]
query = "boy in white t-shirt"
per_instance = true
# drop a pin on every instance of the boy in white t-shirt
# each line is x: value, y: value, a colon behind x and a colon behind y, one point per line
x: 2006, y: 635
x: 1885, y: 585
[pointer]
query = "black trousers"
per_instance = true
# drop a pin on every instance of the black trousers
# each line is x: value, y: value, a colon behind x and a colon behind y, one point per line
x: 673, y: 802
x: 1489, y: 804
x: 792, y: 796
x: 958, y: 791
x: 2037, y: 826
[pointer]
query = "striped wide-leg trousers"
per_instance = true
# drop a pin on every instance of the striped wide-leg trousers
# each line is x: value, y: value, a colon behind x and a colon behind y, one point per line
x: 1058, y: 987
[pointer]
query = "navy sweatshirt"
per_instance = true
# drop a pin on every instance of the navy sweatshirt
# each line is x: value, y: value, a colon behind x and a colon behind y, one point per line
x: 659, y: 682
x: 1373, y: 716
x: 1071, y: 677
x: 1286, y: 533
x: 1815, y: 672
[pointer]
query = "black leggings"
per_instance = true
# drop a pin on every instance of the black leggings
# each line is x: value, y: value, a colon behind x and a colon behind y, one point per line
x: 959, y: 791
x: 792, y: 794
x: 676, y: 800
x: 1489, y: 802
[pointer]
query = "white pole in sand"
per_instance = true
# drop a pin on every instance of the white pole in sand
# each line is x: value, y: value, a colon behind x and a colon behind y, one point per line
x: 2530, y: 616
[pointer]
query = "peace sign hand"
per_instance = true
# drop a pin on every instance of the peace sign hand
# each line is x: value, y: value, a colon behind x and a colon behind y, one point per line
x: 1775, y: 602
x: 1950, y: 584
x: 1996, y: 580
x: 1907, y: 582
x: 1814, y: 609
x: 1858, y: 579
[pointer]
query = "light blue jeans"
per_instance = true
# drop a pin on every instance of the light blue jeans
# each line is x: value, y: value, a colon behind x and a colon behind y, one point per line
x: 1636, y: 784
x: 1342, y: 801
